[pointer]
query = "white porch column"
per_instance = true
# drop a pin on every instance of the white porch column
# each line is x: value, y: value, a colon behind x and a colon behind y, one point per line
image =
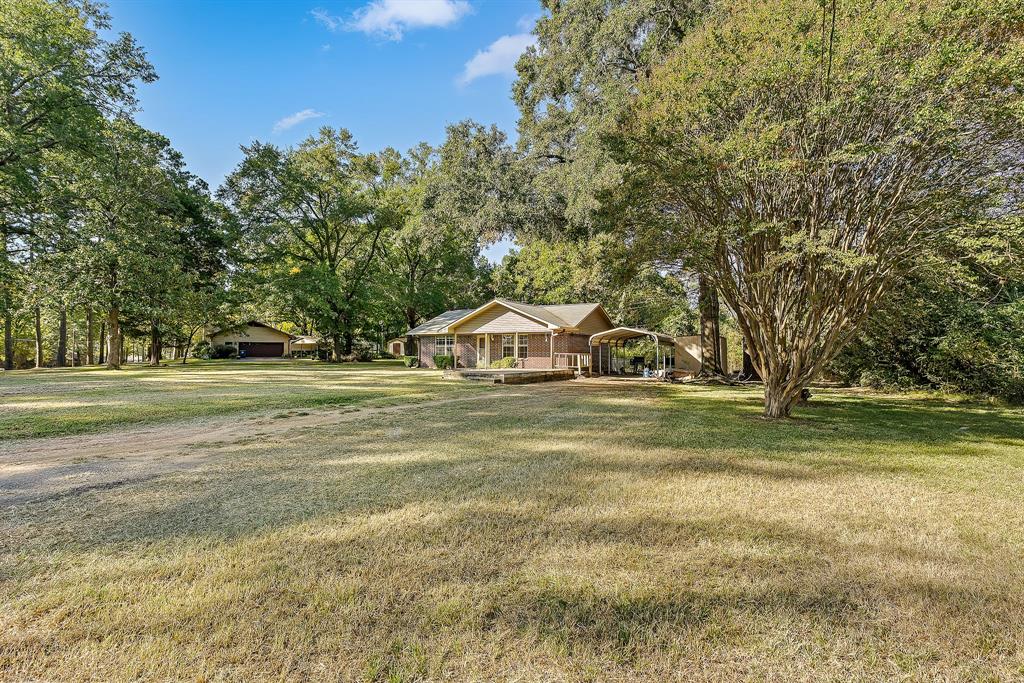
x: 551, y: 339
x: 455, y: 350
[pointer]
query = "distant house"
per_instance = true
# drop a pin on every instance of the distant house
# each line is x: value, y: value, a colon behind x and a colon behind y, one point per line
x: 536, y: 336
x: 254, y: 340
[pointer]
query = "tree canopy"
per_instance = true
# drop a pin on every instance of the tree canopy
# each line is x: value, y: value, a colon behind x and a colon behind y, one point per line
x: 806, y: 156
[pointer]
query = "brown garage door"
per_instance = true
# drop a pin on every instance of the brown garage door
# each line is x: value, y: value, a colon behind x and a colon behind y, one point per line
x: 261, y: 349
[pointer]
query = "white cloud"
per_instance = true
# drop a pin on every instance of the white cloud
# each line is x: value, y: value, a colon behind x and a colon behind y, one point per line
x: 392, y: 18
x: 295, y: 119
x: 498, y: 58
x: 526, y: 22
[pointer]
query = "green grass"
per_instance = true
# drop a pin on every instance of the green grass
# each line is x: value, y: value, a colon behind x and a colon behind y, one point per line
x: 81, y: 400
x: 555, y: 532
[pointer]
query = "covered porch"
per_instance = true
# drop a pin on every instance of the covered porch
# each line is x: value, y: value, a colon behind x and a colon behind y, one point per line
x: 609, y: 354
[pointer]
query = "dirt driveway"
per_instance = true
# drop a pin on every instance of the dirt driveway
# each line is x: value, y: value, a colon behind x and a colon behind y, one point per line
x: 35, y: 470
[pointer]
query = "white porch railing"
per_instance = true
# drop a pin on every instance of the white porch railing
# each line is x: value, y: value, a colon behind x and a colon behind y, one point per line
x: 580, y: 361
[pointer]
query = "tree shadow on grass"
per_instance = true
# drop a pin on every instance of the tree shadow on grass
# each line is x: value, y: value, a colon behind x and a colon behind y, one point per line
x: 524, y: 446
x: 509, y: 524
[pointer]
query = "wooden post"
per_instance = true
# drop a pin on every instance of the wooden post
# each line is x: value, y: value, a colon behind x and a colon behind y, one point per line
x: 551, y: 339
x: 657, y: 355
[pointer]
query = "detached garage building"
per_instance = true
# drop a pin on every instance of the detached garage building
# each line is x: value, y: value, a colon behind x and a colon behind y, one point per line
x: 254, y: 340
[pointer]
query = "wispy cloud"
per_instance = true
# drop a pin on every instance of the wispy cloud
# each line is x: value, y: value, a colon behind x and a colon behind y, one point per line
x: 499, y: 58
x: 295, y: 119
x: 392, y: 18
x: 323, y: 17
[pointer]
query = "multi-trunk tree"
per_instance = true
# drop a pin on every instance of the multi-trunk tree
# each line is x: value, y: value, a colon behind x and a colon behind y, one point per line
x: 807, y: 155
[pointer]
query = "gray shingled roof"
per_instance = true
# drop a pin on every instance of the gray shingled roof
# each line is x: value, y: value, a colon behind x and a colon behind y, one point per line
x: 559, y: 315
x: 440, y: 322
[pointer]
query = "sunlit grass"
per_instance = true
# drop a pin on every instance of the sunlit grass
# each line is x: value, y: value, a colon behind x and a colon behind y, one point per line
x: 80, y: 400
x: 556, y: 532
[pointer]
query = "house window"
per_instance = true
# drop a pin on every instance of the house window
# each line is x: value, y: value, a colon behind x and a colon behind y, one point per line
x: 508, y: 345
x: 524, y: 345
x: 445, y: 346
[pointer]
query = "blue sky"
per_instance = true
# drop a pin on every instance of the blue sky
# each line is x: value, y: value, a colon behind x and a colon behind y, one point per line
x: 394, y: 72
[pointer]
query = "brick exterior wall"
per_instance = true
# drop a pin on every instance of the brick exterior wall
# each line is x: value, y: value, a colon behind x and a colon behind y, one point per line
x: 465, y: 349
x: 426, y: 350
x: 538, y: 353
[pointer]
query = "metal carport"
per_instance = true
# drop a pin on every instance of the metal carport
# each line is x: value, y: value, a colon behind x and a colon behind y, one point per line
x: 618, y: 336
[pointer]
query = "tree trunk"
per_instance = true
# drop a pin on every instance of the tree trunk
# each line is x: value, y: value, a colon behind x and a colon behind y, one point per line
x: 348, y: 342
x: 8, y: 340
x: 62, y: 337
x: 336, y: 348
x: 114, y: 338
x: 710, y: 335
x: 89, y: 356
x: 188, y: 345
x: 155, y: 350
x: 103, y: 343
x: 39, y: 337
x: 779, y: 398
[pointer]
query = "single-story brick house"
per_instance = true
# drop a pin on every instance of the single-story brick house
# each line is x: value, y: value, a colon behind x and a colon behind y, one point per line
x: 537, y: 336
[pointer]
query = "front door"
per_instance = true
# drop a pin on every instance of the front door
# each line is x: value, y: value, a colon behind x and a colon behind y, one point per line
x: 481, y: 351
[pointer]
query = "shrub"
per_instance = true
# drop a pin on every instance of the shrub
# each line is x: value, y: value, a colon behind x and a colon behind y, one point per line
x: 410, y: 361
x: 203, y: 350
x: 506, y: 362
x: 224, y: 351
x: 444, y: 362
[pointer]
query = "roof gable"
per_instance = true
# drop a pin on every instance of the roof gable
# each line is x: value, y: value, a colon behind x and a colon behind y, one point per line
x: 251, y: 323
x: 535, y: 313
x: 551, y: 316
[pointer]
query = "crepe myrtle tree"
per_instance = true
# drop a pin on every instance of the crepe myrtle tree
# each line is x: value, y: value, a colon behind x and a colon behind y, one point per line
x: 805, y: 156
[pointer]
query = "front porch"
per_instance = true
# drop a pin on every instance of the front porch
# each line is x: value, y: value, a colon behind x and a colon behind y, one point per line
x: 517, y: 351
x: 510, y: 375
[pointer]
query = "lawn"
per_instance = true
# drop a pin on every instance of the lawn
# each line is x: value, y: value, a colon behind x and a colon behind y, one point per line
x: 83, y: 400
x: 550, y: 532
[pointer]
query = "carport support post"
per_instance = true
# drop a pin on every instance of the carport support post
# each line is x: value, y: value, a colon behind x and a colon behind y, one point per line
x: 455, y: 350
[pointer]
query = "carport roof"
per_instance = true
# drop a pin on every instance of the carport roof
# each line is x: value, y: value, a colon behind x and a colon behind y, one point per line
x: 618, y: 334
